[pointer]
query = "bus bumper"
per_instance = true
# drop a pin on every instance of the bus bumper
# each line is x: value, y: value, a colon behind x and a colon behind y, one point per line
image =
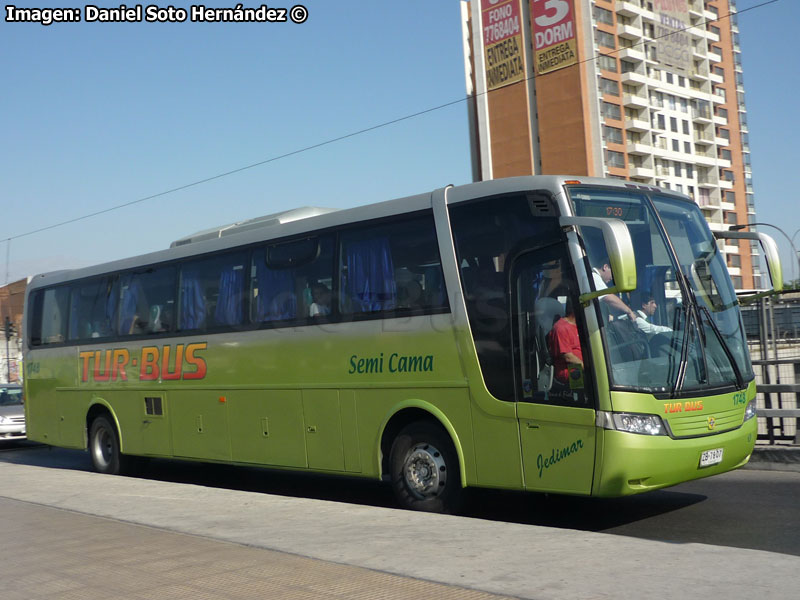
x: 630, y: 464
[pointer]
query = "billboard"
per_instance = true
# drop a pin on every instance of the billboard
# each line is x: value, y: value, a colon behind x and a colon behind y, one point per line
x: 502, y: 42
x: 554, y: 36
x: 673, y: 45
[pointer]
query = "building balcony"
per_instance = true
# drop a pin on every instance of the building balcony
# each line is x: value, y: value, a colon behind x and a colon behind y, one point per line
x: 720, y: 120
x: 635, y: 54
x: 628, y: 9
x: 702, y: 115
x: 714, y: 57
x: 633, y: 78
x: 704, y: 159
x: 639, y: 148
x: 716, y: 78
x: 722, y: 163
x: 703, y: 138
x: 727, y: 205
x: 708, y: 183
x: 725, y: 185
x: 645, y: 172
x: 630, y: 32
x: 635, y: 101
x: 636, y: 125
x: 722, y: 141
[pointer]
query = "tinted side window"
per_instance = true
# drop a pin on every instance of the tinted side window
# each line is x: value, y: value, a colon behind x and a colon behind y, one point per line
x: 212, y: 292
x: 292, y: 281
x: 487, y: 235
x: 391, y: 267
x: 50, y: 314
x: 92, y: 309
x: 147, y: 302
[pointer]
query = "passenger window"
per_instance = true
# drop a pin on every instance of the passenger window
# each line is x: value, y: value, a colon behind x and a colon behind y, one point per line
x: 212, y: 292
x: 392, y: 267
x: 292, y: 281
x: 49, y: 324
x: 147, y: 302
x: 92, y: 309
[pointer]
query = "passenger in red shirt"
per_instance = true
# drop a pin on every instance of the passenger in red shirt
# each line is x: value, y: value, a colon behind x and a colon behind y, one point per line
x: 565, y: 345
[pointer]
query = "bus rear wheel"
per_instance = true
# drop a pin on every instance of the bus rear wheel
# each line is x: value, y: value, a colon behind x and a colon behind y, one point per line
x: 424, y: 466
x: 104, y: 446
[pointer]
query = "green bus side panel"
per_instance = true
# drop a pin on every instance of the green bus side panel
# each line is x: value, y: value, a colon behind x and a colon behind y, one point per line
x: 323, y: 430
x: 498, y: 461
x: 267, y: 427
x: 200, y: 425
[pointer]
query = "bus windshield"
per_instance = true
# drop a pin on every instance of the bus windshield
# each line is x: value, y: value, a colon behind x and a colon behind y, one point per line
x: 688, y: 334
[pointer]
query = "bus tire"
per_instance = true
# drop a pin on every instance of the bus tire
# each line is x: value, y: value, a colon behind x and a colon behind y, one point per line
x: 104, y: 446
x: 425, y: 474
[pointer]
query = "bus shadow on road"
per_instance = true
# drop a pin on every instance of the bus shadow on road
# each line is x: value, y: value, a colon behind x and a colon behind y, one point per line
x: 576, y: 512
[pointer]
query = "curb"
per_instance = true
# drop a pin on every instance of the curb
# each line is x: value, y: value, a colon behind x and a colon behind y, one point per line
x: 775, y: 458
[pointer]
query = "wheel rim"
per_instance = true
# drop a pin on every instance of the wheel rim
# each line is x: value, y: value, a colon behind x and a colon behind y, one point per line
x: 425, y: 471
x: 103, y: 447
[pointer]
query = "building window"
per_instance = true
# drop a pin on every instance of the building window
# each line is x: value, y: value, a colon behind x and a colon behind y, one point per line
x: 609, y: 63
x: 662, y: 122
x: 615, y: 159
x: 609, y: 86
x: 676, y: 146
x: 611, y: 111
x: 673, y: 124
x: 734, y: 260
x: 730, y: 218
x: 689, y: 171
x: 612, y: 134
x: 725, y: 154
x: 686, y: 127
x: 601, y: 15
x: 730, y: 196
x: 670, y: 78
x: 604, y: 39
x: 687, y: 147
x: 677, y: 166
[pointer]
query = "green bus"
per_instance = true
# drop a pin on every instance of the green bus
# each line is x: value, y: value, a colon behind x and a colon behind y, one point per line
x: 415, y: 341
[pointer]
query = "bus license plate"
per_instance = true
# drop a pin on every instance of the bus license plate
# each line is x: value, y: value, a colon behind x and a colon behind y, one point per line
x: 711, y: 457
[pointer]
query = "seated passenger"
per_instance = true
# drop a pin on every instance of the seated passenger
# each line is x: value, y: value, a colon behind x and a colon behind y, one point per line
x: 321, y: 301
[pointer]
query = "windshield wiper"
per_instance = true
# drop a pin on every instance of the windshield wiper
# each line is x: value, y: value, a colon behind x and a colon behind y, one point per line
x: 728, y: 353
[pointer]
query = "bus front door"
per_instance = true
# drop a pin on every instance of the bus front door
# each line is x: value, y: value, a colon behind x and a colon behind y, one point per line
x: 554, y: 410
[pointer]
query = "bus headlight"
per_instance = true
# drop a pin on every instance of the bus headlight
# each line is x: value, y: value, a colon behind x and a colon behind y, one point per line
x: 632, y: 423
x: 750, y: 411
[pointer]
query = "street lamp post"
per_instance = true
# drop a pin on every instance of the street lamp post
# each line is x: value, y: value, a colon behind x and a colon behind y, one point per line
x: 791, y: 243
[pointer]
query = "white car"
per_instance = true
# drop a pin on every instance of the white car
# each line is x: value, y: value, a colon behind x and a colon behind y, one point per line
x: 12, y: 412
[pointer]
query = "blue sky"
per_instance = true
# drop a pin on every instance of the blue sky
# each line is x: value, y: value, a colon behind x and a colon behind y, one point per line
x: 96, y: 115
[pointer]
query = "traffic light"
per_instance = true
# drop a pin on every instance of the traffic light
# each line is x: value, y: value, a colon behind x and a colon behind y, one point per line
x: 9, y: 329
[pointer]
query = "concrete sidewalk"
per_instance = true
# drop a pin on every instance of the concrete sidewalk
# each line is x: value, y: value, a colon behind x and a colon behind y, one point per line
x: 226, y: 543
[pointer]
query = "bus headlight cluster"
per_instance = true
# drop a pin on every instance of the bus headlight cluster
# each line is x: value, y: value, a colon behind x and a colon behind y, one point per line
x: 632, y: 423
x: 750, y: 411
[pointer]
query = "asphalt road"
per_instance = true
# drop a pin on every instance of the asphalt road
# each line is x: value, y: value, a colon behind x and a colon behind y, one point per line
x: 744, y: 509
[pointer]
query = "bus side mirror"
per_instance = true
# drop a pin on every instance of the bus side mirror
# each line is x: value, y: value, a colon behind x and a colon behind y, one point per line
x: 618, y: 246
x: 771, y: 255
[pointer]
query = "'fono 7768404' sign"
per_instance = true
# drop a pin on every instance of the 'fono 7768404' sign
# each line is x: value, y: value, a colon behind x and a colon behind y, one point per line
x: 502, y: 42
x: 554, y: 41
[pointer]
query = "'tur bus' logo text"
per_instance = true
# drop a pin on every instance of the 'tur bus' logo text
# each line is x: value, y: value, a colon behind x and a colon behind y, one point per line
x: 154, y: 363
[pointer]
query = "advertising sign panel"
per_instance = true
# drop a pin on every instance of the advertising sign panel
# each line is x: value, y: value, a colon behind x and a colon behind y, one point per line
x: 554, y: 39
x: 502, y: 42
x: 673, y: 46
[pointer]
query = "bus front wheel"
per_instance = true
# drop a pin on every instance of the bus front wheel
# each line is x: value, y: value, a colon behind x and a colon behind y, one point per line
x: 425, y: 473
x: 104, y: 446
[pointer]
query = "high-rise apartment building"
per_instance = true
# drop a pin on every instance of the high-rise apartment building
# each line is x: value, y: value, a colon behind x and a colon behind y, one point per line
x: 645, y: 90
